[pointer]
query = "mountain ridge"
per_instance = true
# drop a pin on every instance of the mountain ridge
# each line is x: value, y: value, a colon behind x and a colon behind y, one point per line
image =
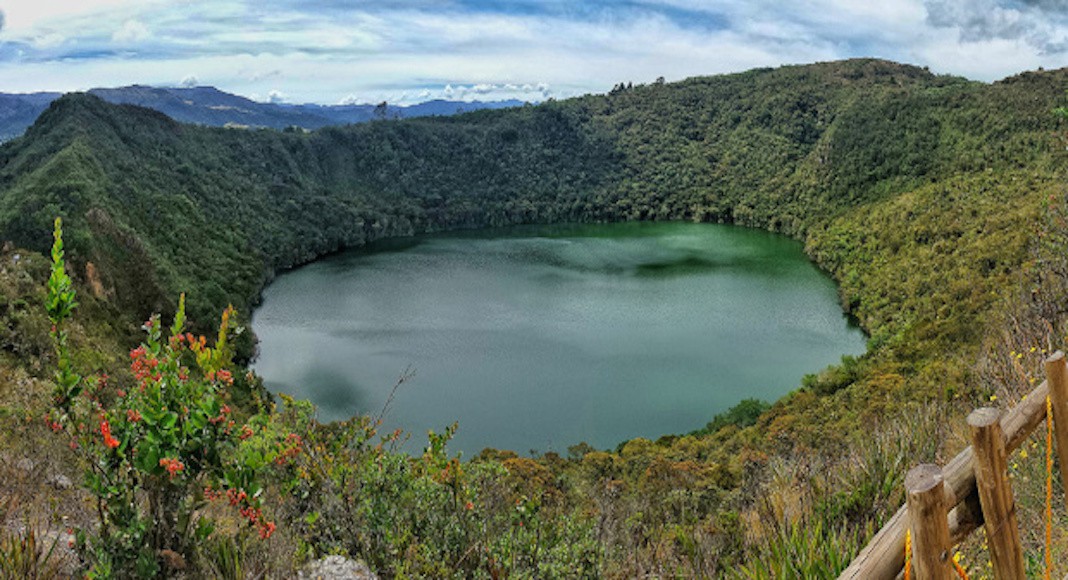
x: 206, y: 105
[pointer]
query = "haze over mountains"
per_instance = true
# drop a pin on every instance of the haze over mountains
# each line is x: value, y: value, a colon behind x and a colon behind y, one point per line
x: 212, y: 107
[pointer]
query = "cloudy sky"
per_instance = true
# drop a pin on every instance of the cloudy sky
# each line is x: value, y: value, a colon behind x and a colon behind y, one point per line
x: 403, y: 51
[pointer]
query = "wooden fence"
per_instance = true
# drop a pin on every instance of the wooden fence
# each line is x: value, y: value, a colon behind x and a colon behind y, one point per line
x: 945, y: 504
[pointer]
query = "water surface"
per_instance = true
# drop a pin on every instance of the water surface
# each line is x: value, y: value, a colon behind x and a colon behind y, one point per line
x: 537, y: 338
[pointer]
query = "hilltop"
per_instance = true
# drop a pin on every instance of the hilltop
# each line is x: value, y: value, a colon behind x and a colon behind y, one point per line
x: 932, y: 200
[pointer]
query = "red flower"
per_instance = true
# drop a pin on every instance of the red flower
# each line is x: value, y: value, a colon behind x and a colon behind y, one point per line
x: 105, y: 430
x: 173, y: 466
x: 55, y: 426
x: 133, y: 415
x: 266, y: 530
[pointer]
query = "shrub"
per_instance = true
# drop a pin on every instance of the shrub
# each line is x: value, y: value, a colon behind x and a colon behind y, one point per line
x: 156, y: 453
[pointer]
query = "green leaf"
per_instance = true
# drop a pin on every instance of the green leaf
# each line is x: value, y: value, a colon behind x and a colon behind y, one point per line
x: 148, y: 458
x: 179, y: 316
x: 151, y: 417
x: 197, y: 420
x: 204, y: 529
x: 169, y: 420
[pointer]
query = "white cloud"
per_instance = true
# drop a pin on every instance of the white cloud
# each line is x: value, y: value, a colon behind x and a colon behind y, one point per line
x: 382, y: 52
x: 48, y: 40
x: 276, y: 96
x: 131, y: 31
x: 996, y: 57
x: 189, y: 81
x: 23, y: 16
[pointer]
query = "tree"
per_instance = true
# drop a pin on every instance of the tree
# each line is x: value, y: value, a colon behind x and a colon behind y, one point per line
x: 381, y: 110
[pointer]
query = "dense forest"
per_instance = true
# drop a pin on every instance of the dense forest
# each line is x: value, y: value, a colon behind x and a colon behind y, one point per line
x: 936, y: 203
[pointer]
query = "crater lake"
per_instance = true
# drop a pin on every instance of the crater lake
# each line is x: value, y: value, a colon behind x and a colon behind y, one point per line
x: 535, y: 338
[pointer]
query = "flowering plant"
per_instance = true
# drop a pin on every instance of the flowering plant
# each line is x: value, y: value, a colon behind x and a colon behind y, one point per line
x: 157, y: 451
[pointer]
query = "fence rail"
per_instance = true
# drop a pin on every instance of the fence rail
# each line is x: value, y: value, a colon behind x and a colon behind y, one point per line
x: 940, y: 521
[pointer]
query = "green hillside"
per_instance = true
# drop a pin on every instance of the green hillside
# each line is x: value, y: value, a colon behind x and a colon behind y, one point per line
x: 935, y: 202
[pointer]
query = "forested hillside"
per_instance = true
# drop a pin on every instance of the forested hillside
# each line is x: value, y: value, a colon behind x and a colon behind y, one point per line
x: 934, y: 201
x: 778, y: 149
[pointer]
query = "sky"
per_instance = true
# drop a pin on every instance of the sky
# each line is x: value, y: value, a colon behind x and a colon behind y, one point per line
x: 407, y: 51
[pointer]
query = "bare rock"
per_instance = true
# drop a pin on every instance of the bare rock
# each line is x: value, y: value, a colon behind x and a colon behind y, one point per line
x: 336, y: 568
x: 59, y: 481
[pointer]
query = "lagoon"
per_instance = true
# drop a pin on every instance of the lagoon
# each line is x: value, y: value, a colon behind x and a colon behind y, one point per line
x: 535, y: 338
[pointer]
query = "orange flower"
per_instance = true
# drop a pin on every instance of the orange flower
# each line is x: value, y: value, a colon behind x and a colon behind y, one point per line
x: 266, y: 530
x: 105, y: 430
x: 173, y: 466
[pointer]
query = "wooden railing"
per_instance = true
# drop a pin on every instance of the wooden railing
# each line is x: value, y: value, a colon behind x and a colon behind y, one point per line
x: 945, y: 504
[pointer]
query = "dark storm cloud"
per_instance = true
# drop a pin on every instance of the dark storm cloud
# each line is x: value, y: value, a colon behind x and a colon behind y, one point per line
x: 1039, y: 23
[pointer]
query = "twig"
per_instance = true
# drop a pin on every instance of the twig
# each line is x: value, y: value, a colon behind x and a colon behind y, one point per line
x: 404, y: 377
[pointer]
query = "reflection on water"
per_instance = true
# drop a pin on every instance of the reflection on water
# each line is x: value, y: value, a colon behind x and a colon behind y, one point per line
x: 347, y: 397
x: 542, y: 337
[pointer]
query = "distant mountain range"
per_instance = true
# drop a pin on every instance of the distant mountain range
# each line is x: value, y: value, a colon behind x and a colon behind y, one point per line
x: 212, y: 107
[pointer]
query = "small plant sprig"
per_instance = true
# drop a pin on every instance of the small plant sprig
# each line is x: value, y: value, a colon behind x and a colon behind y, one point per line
x: 60, y: 303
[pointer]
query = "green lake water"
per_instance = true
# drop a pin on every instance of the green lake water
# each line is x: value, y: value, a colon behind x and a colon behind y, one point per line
x: 537, y: 338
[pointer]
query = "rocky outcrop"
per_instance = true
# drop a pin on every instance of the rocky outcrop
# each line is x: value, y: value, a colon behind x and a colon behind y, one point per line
x: 337, y: 568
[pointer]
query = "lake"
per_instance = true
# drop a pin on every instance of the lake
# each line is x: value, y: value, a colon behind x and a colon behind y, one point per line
x: 538, y: 338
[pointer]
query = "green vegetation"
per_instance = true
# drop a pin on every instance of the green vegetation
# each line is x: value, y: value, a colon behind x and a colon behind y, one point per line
x: 936, y: 203
x: 741, y: 415
x: 170, y: 437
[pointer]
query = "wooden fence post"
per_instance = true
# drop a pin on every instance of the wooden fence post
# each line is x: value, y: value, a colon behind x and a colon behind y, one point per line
x: 884, y: 556
x: 928, y: 518
x: 995, y: 493
x: 1057, y: 377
